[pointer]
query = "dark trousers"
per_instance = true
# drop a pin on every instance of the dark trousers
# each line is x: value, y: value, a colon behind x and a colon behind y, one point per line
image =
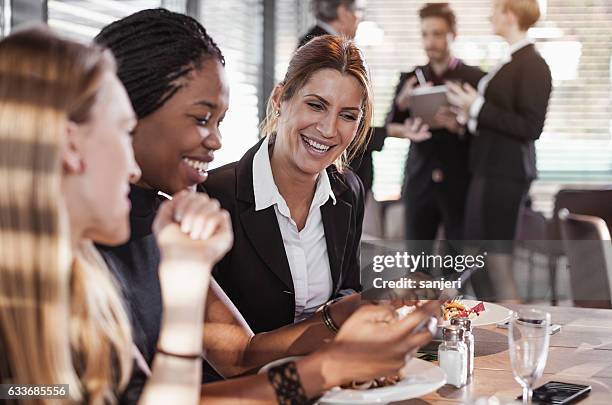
x: 427, y: 205
x: 493, y: 207
x: 491, y: 219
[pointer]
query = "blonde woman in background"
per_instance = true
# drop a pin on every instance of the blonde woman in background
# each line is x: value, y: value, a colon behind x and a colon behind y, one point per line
x: 507, y: 114
x: 65, y: 166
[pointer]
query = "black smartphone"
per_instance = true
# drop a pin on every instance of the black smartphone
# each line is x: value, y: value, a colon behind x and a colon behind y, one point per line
x: 559, y: 393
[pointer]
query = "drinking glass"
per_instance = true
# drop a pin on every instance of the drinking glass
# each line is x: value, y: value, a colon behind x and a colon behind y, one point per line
x: 528, y: 341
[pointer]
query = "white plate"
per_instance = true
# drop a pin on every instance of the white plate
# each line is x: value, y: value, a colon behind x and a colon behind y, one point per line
x: 422, y: 377
x: 493, y: 313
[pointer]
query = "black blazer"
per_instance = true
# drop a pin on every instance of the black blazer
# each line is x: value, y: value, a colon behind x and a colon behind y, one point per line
x: 314, y: 32
x: 444, y: 150
x: 255, y: 274
x: 512, y: 118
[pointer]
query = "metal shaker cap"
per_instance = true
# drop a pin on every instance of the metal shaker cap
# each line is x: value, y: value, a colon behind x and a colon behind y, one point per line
x: 465, y: 323
x: 452, y: 333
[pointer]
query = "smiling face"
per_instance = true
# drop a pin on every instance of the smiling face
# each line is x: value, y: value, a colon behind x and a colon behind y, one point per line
x: 174, y: 144
x: 98, y: 194
x: 319, y: 122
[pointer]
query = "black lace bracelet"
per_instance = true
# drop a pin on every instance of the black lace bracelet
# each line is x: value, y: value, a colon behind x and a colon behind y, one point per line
x: 287, y: 385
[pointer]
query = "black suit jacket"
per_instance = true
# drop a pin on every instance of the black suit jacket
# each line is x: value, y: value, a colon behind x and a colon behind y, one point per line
x: 512, y: 118
x: 255, y: 274
x: 444, y: 150
x: 314, y: 32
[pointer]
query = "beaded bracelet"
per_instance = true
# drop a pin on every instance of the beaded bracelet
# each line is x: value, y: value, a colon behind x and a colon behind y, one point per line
x: 287, y: 385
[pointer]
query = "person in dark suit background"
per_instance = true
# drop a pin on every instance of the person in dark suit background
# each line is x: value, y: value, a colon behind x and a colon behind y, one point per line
x: 507, y: 113
x: 335, y: 17
x: 436, y: 175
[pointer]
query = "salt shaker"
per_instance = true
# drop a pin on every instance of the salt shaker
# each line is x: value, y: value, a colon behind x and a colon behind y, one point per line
x: 468, y: 339
x: 453, y: 356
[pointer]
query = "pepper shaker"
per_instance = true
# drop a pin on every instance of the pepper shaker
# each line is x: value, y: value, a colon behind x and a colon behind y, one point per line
x: 468, y: 339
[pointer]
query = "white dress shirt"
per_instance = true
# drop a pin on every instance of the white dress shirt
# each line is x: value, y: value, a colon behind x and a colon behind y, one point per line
x: 306, y: 250
x: 484, y: 82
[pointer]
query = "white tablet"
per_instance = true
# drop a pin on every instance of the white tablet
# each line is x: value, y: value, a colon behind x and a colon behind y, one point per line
x: 426, y: 101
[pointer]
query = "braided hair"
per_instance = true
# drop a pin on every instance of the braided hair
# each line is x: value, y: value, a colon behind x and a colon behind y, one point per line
x: 154, y: 49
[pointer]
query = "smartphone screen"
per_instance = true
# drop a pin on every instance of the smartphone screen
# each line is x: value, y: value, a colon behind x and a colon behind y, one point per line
x: 559, y: 393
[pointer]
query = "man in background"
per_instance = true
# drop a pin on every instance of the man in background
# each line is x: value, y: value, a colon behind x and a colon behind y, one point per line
x: 436, y: 176
x: 335, y: 17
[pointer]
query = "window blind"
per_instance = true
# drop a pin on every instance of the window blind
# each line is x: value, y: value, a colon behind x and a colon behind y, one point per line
x: 236, y: 26
x: 293, y: 19
x: 4, y: 18
x: 83, y: 19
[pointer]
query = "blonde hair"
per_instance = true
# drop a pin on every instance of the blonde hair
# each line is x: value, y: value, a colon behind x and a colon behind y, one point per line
x: 326, y: 52
x: 527, y: 12
x: 61, y: 316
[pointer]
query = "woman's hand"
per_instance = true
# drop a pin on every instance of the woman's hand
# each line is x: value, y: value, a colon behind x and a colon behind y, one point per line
x: 193, y: 227
x: 461, y: 96
x: 372, y: 343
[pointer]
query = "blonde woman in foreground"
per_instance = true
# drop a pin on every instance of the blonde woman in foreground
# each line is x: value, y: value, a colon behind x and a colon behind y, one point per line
x: 65, y: 165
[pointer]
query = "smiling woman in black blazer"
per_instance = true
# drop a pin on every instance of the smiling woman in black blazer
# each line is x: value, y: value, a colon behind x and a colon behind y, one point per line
x: 296, y: 210
x: 507, y: 115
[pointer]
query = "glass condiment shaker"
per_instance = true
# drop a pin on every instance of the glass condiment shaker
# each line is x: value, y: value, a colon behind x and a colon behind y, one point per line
x: 468, y: 339
x: 453, y: 356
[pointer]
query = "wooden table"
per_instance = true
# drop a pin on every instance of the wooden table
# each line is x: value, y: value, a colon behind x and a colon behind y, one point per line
x: 580, y: 353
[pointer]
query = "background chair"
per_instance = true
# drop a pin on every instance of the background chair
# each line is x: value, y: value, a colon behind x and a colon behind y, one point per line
x: 586, y: 242
x: 532, y: 239
x: 594, y: 202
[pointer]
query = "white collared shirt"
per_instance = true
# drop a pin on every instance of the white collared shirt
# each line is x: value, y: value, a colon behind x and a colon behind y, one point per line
x: 306, y: 250
x: 484, y: 82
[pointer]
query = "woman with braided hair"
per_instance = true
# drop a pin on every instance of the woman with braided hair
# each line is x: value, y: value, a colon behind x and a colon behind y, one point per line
x: 174, y: 75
